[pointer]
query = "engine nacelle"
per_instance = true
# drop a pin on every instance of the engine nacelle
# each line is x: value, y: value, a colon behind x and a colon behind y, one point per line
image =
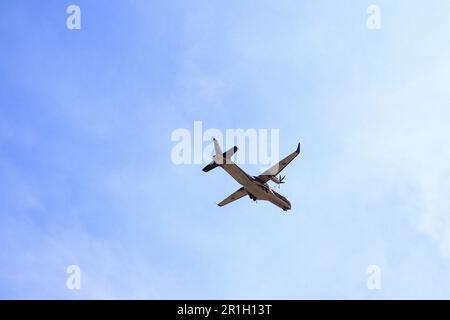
x: 278, y: 180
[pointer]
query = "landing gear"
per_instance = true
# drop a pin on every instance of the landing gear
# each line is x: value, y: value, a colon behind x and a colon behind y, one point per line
x: 252, y: 197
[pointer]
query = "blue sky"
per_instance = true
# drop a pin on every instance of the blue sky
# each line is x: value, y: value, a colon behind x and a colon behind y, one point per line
x: 86, y: 176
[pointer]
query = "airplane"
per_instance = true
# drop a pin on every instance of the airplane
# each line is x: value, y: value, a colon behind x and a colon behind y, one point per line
x: 255, y: 187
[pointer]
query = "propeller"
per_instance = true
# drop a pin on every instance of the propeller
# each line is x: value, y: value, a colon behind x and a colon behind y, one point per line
x: 280, y: 180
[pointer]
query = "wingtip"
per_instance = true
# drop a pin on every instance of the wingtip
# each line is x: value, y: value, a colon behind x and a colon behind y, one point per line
x: 298, y: 148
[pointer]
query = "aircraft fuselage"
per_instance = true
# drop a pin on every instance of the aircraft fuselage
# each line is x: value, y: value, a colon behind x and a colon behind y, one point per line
x: 256, y: 189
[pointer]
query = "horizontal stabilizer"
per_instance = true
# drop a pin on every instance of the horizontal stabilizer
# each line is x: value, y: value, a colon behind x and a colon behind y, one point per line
x: 229, y: 153
x: 210, y: 166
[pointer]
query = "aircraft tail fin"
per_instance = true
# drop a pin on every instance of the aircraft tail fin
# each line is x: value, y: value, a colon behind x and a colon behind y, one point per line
x: 217, y: 146
x: 220, y: 158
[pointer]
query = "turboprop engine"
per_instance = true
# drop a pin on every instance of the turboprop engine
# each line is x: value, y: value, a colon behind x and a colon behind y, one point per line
x: 278, y: 180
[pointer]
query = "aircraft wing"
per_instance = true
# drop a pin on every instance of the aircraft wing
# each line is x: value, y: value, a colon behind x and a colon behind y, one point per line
x: 234, y: 196
x: 276, y: 169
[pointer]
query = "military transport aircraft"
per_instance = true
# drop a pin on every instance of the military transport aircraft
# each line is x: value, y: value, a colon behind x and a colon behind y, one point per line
x: 255, y: 187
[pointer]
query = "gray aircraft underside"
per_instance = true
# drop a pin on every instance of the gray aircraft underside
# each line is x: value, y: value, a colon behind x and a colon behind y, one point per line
x: 255, y: 187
